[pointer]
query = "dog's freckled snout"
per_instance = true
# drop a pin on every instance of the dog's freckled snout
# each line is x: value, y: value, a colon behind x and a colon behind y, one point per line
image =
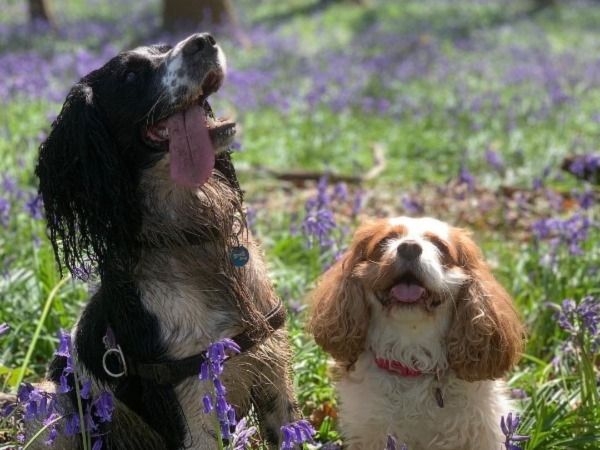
x: 198, y: 43
x: 409, y: 250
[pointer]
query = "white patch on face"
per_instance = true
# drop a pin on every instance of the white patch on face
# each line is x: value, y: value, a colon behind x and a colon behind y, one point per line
x: 422, y: 225
x: 436, y: 277
x: 221, y: 60
x: 174, y: 80
x: 146, y: 53
x: 171, y: 81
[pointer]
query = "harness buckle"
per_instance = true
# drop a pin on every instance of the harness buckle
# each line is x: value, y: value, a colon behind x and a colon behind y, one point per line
x: 120, y: 358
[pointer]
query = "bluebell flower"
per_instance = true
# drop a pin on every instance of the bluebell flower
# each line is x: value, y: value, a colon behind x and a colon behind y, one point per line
x: 85, y: 390
x: 340, y: 192
x: 358, y: 203
x: 72, y: 425
x: 465, y: 177
x: 63, y: 386
x: 584, y: 165
x: 104, y: 406
x: 210, y: 370
x: 412, y: 205
x: 240, y: 439
x: 518, y: 394
x: 571, y: 232
x: 296, y: 433
x: 318, y: 225
x: 495, y: 161
x: 34, y: 206
x: 64, y: 344
x: 51, y: 437
x: 580, y: 320
x: 207, y: 403
x: 4, y: 211
x: 509, y: 428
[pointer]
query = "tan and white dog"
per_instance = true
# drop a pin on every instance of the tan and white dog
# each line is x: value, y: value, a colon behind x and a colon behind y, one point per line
x: 421, y: 333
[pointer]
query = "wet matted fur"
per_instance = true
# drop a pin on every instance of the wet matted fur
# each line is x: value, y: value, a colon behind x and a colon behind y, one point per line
x: 158, y: 240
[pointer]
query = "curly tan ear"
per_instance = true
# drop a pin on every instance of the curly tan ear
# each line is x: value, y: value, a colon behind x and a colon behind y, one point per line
x: 486, y: 338
x: 340, y: 314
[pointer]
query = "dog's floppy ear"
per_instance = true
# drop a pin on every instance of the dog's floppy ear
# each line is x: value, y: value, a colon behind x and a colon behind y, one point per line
x: 340, y: 312
x: 486, y: 337
x: 87, y: 188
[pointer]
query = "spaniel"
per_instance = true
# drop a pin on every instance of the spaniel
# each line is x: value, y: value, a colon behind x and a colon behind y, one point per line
x: 421, y: 332
x: 140, y: 193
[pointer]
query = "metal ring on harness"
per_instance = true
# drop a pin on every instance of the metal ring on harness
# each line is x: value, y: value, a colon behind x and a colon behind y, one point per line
x: 117, y: 350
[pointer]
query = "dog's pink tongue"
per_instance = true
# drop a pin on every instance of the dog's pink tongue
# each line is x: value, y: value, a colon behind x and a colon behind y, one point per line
x: 192, y: 153
x: 407, y: 293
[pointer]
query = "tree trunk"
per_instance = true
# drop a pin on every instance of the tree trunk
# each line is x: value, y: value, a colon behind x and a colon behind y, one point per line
x: 39, y: 11
x: 184, y: 14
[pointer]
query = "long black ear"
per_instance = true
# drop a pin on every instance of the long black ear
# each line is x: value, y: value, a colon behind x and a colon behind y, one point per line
x: 87, y: 187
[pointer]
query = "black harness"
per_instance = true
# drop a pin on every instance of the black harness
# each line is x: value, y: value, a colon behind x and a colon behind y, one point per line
x: 173, y: 372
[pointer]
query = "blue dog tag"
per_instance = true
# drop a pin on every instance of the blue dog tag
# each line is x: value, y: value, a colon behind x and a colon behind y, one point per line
x: 239, y: 256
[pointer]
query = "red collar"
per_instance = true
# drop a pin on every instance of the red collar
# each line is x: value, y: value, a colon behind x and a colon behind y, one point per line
x: 396, y: 367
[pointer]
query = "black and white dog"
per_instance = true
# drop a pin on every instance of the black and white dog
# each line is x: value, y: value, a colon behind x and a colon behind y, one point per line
x: 140, y: 193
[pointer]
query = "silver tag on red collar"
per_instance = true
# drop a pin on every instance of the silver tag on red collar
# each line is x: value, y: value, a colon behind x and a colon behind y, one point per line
x: 239, y: 256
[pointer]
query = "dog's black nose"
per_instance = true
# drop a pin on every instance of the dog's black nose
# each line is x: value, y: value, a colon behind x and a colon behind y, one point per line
x: 198, y: 43
x: 409, y: 250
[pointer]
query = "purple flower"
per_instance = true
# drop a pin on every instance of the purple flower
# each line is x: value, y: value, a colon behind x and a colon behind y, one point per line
x: 318, y: 225
x: 64, y: 386
x: 518, y: 394
x: 85, y: 390
x: 216, y: 355
x: 586, y: 199
x: 4, y: 211
x: 210, y: 370
x: 207, y: 403
x: 572, y: 231
x: 64, y: 344
x: 358, y: 203
x: 465, y: 177
x: 581, y: 321
x: 392, y: 444
x: 509, y: 428
x: 494, y: 159
x: 34, y: 207
x: 103, y: 406
x: 4, y: 328
x: 340, y: 192
x: 242, y: 434
x: 412, y: 205
x: 72, y: 425
x: 584, y: 164
x: 52, y: 435
x: 296, y: 433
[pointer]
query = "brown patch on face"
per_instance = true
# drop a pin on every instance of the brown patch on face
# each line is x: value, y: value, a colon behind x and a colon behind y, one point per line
x: 370, y: 240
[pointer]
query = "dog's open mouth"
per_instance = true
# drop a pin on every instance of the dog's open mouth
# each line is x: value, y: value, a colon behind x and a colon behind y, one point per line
x: 193, y: 135
x: 407, y: 290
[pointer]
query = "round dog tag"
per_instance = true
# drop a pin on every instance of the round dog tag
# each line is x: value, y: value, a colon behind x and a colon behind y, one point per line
x: 239, y: 256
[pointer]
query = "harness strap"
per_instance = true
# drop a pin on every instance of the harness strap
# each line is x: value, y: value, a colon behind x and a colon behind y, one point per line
x: 173, y: 372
